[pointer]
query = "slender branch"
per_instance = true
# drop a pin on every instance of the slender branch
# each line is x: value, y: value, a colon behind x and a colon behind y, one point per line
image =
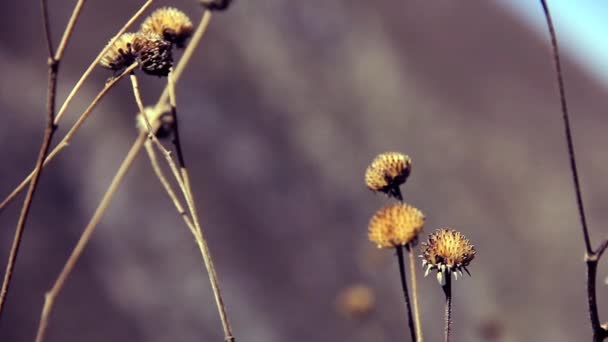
x: 52, y: 294
x: 69, y: 29
x: 413, y: 282
x: 591, y: 257
x: 405, y: 292
x: 66, y: 139
x: 142, y: 110
x: 447, y: 290
x: 204, y: 248
x: 47, y: 27
x: 187, y: 56
x: 567, y: 130
x: 167, y: 186
x: 49, y: 132
x: 93, y: 64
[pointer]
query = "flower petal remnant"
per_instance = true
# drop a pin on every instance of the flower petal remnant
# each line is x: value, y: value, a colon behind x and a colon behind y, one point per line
x: 447, y: 251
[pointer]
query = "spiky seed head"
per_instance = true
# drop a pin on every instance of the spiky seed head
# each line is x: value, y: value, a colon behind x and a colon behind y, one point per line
x: 160, y: 116
x: 447, y: 251
x: 395, y: 225
x: 387, y: 172
x: 215, y: 5
x: 121, y: 54
x: 171, y: 24
x: 153, y: 53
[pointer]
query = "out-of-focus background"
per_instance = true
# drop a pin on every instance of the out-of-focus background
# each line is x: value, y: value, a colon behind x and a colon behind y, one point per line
x: 282, y: 109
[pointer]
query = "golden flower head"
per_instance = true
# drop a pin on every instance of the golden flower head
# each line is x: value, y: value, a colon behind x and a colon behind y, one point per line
x: 447, y: 251
x: 395, y: 225
x: 171, y: 24
x: 153, y: 53
x: 120, y: 54
x: 387, y: 172
x: 215, y: 5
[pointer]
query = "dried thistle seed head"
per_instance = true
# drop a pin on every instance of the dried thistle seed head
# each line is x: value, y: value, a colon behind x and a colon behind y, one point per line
x: 157, y: 116
x: 215, y: 5
x: 395, y: 225
x: 387, y: 172
x: 447, y: 251
x: 120, y: 54
x: 153, y: 53
x: 171, y: 24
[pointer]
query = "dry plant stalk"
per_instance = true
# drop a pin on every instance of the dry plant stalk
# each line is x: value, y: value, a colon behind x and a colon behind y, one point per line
x: 55, y: 290
x: 592, y: 257
x: 448, y: 252
x: 51, y: 295
x: 167, y: 186
x: 414, y: 283
x: 397, y: 226
x: 54, y: 60
x: 71, y: 95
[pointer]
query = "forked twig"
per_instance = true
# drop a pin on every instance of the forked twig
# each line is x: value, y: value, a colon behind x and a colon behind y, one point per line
x: 93, y: 64
x: 52, y: 294
x: 67, y: 138
x: 592, y: 256
x: 54, y: 60
x: 202, y: 242
x: 167, y: 186
x: 80, y: 82
x: 182, y: 177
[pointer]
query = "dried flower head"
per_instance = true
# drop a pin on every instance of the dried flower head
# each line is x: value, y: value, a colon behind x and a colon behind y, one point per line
x: 157, y: 116
x: 447, y: 251
x: 171, y: 24
x: 395, y: 225
x: 121, y: 54
x: 215, y: 5
x: 356, y: 301
x: 387, y: 172
x: 153, y: 53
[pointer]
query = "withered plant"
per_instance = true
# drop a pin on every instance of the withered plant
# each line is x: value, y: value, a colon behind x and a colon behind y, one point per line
x: 148, y: 50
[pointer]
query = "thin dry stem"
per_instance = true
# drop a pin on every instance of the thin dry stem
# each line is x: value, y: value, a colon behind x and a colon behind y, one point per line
x: 47, y: 27
x: 51, y: 295
x: 86, y: 74
x: 142, y: 110
x: 53, y: 70
x: 187, y: 56
x: 69, y: 29
x: 50, y: 298
x: 66, y: 139
x: 447, y: 290
x: 406, y: 295
x: 414, y: 284
x: 592, y: 257
x: 167, y: 186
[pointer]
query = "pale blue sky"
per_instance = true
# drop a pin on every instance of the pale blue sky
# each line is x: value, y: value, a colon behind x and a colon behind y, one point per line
x: 581, y: 25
